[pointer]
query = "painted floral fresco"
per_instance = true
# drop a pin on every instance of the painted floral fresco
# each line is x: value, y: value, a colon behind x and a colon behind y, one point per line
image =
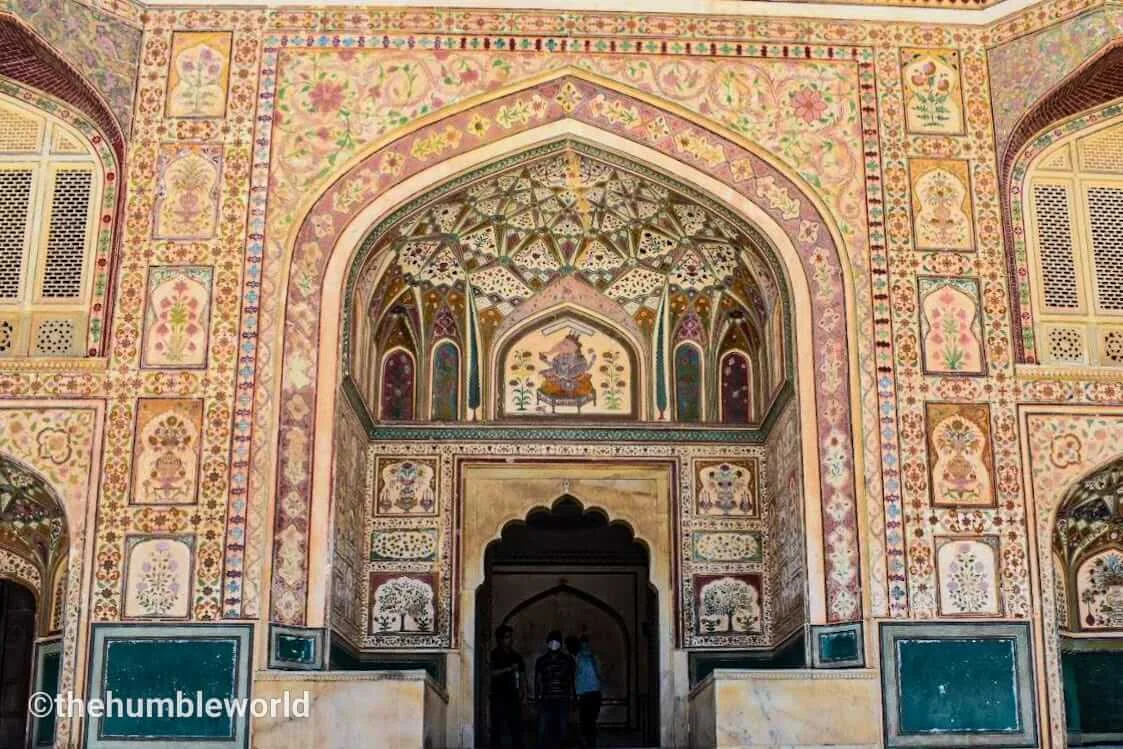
x: 863, y: 125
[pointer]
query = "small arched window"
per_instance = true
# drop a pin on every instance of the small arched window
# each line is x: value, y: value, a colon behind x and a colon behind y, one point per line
x: 399, y: 376
x: 50, y: 189
x: 1074, y: 203
x: 444, y: 396
x: 688, y: 383
x: 736, y: 388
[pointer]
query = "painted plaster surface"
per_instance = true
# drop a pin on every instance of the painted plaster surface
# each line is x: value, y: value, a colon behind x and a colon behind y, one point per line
x: 324, y: 110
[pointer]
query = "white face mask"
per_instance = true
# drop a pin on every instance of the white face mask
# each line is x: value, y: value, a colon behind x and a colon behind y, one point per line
x: 554, y: 645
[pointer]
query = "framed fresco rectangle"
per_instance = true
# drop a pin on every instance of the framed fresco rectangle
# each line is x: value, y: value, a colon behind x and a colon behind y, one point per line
x: 960, y: 454
x: 48, y: 660
x: 838, y: 646
x: 958, y: 685
x: 160, y: 662
x: 296, y: 648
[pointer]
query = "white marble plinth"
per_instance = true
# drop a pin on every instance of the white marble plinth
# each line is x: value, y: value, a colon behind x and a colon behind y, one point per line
x: 348, y: 709
x: 786, y: 709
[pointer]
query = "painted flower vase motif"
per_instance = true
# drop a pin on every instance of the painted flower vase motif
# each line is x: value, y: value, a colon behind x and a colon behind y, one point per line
x: 960, y: 474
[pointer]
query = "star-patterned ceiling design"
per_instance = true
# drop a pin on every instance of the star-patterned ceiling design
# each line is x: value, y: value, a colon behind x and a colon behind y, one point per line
x: 32, y: 521
x: 1092, y: 512
x: 629, y: 237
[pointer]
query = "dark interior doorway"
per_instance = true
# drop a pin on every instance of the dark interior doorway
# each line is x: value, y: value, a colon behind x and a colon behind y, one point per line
x: 571, y: 569
x: 17, y: 639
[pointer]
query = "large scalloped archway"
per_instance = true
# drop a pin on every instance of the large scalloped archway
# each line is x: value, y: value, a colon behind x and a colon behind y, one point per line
x: 654, y: 133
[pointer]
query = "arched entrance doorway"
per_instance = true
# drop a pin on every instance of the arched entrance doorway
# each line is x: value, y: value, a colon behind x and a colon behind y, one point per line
x: 17, y: 633
x: 572, y: 569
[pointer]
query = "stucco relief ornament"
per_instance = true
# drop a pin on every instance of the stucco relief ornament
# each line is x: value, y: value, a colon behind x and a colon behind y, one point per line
x: 408, y: 487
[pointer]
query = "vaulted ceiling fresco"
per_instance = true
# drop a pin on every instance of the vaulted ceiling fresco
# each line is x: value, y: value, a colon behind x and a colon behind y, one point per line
x: 32, y: 521
x: 572, y: 227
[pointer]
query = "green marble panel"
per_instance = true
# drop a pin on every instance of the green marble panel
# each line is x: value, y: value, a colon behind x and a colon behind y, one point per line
x: 957, y: 686
x: 48, y: 660
x: 838, y: 646
x: 1093, y: 682
x: 296, y: 649
x: 157, y: 669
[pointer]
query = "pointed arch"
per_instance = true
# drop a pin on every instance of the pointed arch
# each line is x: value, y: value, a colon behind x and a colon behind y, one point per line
x: 328, y: 254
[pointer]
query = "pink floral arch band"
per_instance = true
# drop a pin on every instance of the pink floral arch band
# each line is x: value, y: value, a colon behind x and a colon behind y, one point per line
x: 635, y: 117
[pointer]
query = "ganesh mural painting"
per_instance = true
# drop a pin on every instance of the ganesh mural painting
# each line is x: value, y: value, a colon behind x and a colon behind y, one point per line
x: 567, y: 367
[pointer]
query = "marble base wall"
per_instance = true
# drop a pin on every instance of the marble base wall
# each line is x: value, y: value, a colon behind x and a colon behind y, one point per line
x: 796, y: 709
x: 351, y: 709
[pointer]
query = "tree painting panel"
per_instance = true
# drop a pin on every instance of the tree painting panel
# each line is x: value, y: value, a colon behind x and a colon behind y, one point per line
x: 398, y: 373
x: 402, y: 604
x: 445, y: 400
x: 728, y: 604
x: 736, y: 389
x: 688, y: 384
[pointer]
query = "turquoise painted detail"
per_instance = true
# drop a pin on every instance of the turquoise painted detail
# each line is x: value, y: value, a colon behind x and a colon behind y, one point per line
x: 1093, y: 685
x: 838, y: 646
x: 295, y: 649
x: 44, y: 730
x: 958, y: 686
x: 660, y: 366
x: 158, y: 669
x: 474, y: 396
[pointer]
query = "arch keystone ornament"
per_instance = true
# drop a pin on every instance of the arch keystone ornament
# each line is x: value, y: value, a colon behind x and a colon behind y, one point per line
x: 785, y: 206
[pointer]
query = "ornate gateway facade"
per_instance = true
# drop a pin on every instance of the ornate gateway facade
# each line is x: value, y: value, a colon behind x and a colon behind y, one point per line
x: 778, y: 349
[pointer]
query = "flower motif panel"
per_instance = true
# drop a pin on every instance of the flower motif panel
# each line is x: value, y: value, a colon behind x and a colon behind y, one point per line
x: 941, y: 205
x: 167, y: 451
x: 728, y: 488
x: 404, y: 545
x: 967, y: 569
x: 158, y: 576
x: 199, y: 75
x: 728, y: 546
x: 177, y: 316
x: 406, y: 487
x: 187, y: 197
x: 933, y: 91
x: 951, y: 326
x: 1099, y: 589
x: 960, y: 455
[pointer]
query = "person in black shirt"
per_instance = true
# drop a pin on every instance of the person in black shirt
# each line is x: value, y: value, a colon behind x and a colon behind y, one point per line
x: 508, y: 691
x: 553, y: 690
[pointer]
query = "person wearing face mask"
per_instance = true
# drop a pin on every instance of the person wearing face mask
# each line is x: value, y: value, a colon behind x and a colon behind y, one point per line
x: 553, y: 691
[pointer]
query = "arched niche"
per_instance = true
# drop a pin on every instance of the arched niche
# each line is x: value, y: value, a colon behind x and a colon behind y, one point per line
x: 566, y: 362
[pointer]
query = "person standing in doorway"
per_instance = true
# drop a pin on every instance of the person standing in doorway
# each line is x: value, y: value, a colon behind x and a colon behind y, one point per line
x: 588, y: 687
x: 553, y: 691
x: 508, y: 690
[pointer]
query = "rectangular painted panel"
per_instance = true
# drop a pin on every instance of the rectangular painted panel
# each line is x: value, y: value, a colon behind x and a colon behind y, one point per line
x: 296, y: 649
x: 1094, y: 691
x: 958, y: 686
x: 151, y: 668
x: 48, y: 681
x: 838, y: 646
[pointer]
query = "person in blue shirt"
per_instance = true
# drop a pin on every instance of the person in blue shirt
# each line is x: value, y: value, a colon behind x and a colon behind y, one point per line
x: 588, y: 687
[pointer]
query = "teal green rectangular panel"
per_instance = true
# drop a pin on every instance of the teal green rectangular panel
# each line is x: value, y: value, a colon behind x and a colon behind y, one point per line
x: 162, y: 676
x: 1094, y: 691
x: 957, y: 686
x: 47, y: 663
x: 160, y: 669
x: 296, y: 649
x: 838, y: 646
